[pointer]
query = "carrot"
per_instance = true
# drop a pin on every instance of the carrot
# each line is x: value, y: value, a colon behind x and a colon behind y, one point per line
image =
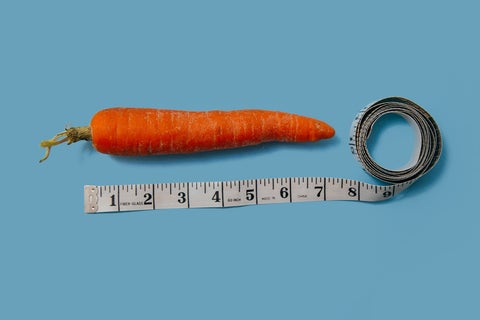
x: 142, y: 131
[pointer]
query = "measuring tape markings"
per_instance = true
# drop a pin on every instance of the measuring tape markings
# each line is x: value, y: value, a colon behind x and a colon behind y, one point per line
x: 136, y: 197
x: 231, y: 193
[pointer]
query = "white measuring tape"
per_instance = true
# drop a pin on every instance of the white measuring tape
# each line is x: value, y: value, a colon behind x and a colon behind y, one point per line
x: 134, y: 197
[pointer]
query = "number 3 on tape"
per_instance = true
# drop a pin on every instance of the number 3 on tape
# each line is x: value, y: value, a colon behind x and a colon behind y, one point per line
x: 137, y: 197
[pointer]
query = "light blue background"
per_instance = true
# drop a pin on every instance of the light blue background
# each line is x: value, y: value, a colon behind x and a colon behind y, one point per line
x: 415, y: 257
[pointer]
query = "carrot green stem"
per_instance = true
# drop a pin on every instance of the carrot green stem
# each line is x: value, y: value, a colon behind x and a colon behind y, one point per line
x: 70, y: 135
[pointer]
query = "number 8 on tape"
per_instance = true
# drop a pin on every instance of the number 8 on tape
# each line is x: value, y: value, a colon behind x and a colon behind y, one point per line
x: 135, y: 197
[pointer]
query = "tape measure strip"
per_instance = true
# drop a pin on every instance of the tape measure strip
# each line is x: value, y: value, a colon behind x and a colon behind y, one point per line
x: 135, y: 197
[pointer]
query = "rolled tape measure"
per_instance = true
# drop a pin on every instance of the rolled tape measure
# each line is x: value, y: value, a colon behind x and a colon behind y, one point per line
x: 135, y: 197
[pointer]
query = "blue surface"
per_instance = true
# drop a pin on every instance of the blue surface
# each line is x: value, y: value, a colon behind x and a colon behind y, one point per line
x: 415, y: 257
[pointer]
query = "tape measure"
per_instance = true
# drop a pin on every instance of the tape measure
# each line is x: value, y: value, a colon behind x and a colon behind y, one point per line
x: 135, y: 197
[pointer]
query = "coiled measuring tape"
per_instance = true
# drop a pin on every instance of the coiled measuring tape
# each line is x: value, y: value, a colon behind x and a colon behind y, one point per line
x: 135, y: 197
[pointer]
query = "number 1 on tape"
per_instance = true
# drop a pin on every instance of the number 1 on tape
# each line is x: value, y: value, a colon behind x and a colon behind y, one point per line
x: 136, y: 197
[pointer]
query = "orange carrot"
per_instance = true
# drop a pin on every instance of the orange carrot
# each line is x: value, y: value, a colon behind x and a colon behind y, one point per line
x: 142, y: 131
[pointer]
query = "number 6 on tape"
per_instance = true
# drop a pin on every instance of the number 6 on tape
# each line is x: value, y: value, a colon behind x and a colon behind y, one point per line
x: 137, y: 197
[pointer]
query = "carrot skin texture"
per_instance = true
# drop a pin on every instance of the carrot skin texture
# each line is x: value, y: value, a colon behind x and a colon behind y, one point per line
x: 144, y: 131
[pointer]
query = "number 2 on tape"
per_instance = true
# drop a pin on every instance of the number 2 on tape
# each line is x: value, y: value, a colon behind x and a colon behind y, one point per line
x: 135, y: 197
